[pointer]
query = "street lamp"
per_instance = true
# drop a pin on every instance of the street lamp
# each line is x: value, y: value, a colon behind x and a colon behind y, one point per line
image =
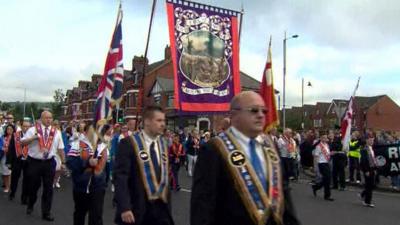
x: 284, y: 77
x: 19, y: 87
x: 302, y: 100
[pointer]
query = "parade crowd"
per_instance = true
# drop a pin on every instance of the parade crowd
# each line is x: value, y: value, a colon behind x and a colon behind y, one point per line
x: 141, y: 166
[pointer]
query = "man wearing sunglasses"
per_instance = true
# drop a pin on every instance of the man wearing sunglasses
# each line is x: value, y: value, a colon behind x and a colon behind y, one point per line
x: 238, y: 178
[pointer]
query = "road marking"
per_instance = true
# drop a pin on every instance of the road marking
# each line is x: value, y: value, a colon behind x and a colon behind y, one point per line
x: 353, y: 189
x: 186, y: 190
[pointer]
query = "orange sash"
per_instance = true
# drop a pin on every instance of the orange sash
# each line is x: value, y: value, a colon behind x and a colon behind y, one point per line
x: 6, y: 144
x: 102, y: 160
x: 42, y: 144
x: 19, y: 149
x: 324, y: 151
x: 289, y: 144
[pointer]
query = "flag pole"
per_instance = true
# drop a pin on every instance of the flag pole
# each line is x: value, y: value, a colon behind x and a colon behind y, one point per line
x: 241, y: 22
x: 141, y: 88
x: 116, y: 64
x: 33, y: 117
x: 355, y: 89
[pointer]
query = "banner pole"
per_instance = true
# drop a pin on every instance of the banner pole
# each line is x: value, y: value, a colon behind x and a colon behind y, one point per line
x: 141, y: 88
x: 241, y: 22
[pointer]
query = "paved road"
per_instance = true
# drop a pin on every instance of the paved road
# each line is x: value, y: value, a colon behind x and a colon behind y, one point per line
x: 346, y: 210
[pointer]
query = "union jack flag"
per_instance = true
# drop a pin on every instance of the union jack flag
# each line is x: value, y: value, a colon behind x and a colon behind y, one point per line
x: 110, y: 89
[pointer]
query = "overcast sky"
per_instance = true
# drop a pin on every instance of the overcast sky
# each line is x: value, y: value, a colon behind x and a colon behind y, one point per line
x: 51, y: 44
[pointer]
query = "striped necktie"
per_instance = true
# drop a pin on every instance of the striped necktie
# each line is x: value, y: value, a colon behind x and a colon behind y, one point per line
x: 46, y: 134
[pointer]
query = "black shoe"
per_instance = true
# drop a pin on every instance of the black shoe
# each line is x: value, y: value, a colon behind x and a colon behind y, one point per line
x: 29, y: 211
x: 24, y: 201
x: 314, y: 190
x: 48, y: 217
x: 329, y: 199
x: 11, y: 197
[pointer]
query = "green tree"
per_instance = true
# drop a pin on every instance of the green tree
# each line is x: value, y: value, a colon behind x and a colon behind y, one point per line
x: 32, y: 111
x: 17, y: 111
x: 56, y: 106
x: 59, y: 96
x: 5, y: 106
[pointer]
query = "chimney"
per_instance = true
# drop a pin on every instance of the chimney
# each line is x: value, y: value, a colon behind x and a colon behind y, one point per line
x: 167, y: 52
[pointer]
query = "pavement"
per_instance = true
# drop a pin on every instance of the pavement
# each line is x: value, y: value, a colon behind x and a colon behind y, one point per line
x: 385, y: 183
x: 345, y: 210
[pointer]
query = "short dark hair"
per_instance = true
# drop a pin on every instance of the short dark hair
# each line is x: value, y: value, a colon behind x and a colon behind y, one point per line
x: 148, y: 111
x: 86, y: 127
x: 104, y: 129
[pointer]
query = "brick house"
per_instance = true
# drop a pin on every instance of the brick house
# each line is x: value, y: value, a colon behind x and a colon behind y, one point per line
x: 158, y: 89
x: 376, y: 113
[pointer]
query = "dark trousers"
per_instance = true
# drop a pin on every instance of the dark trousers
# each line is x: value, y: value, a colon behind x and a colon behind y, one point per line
x: 156, y: 214
x: 287, y: 164
x: 366, y: 194
x: 91, y: 203
x: 41, y: 171
x: 108, y: 172
x: 338, y: 174
x: 325, y: 182
x: 18, y: 167
x: 175, y: 174
x: 354, y: 164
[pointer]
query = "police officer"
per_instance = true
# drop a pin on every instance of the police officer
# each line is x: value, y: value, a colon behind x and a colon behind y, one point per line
x: 354, y: 157
x: 43, y: 141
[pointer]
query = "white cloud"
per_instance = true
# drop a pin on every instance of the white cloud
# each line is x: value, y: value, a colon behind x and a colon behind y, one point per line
x: 57, y: 42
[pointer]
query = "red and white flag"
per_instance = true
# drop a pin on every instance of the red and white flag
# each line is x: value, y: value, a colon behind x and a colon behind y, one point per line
x: 345, y: 126
x: 267, y: 92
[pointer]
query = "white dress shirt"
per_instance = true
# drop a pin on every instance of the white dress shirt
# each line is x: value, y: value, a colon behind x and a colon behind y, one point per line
x: 283, y: 145
x: 319, y: 155
x: 34, y: 149
x: 148, y: 140
x: 244, y: 143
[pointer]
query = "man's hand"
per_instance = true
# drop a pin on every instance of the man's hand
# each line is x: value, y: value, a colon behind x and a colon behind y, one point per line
x: 367, y: 174
x: 93, y: 161
x: 63, y: 167
x: 128, y: 217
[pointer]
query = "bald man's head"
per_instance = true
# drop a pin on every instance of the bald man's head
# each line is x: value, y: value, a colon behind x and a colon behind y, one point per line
x: 248, y: 113
x: 46, y: 118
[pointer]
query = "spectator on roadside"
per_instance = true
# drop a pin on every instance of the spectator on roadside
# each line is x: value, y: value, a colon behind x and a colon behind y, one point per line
x: 287, y: 151
x: 339, y: 161
x: 193, y: 146
x: 368, y: 166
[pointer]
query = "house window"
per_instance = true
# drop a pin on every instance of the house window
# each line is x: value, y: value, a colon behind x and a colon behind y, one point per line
x: 91, y: 106
x: 134, y: 99
x: 170, y: 103
x: 157, y: 99
x: 130, y: 100
x: 318, y: 123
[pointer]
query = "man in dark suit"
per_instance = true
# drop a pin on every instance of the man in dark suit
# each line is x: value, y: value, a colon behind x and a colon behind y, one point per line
x: 141, y: 174
x: 238, y: 178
